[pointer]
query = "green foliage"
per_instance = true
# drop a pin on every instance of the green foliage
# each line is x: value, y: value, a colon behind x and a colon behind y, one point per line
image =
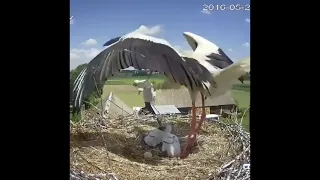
x: 75, y: 72
x: 75, y: 117
x: 246, y: 115
x: 92, y: 99
x: 154, y: 83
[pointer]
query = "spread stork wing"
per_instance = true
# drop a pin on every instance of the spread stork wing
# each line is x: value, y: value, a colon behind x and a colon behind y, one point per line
x: 141, y: 52
x: 209, y: 51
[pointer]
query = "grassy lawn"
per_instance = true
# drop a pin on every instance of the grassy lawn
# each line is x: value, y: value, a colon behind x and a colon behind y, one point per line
x: 243, y: 99
x: 127, y: 93
x: 122, y: 88
x: 241, y: 94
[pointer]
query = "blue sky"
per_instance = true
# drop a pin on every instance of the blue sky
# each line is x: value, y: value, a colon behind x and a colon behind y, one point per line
x: 96, y: 21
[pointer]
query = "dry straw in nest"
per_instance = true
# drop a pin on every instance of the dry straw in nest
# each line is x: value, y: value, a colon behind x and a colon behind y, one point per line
x: 113, y: 147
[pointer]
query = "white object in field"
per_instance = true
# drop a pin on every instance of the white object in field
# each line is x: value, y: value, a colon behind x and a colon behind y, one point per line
x: 246, y: 166
x: 213, y: 117
x: 148, y: 90
x: 171, y: 145
x: 147, y: 155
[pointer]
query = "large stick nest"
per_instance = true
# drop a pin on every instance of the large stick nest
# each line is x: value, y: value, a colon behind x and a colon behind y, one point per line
x: 102, y: 148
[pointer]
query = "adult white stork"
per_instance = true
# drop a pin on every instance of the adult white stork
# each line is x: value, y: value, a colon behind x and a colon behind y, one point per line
x: 145, y: 52
x: 225, y: 73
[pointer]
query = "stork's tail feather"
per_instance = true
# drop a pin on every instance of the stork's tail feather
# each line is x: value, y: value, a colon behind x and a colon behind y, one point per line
x: 230, y: 75
x: 243, y: 66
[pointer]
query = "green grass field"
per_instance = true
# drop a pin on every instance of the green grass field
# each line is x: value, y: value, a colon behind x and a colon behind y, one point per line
x: 122, y: 88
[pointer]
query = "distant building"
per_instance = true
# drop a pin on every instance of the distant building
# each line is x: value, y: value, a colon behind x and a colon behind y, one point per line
x: 127, y: 72
x: 181, y: 99
x: 131, y: 72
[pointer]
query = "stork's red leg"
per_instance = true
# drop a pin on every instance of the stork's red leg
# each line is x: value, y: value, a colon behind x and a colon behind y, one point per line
x: 203, y: 114
x: 192, y: 134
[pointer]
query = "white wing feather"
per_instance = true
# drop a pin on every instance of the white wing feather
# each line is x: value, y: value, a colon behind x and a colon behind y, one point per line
x: 149, y: 38
x: 225, y: 78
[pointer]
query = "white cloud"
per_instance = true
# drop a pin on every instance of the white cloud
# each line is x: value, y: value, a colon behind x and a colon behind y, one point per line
x: 182, y: 51
x: 229, y: 49
x: 204, y: 11
x: 154, y: 30
x: 89, y: 42
x: 81, y: 56
x: 247, y: 44
x: 74, y: 56
x: 248, y: 20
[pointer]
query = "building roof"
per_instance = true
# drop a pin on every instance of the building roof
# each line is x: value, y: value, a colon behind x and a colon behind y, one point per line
x: 181, y: 98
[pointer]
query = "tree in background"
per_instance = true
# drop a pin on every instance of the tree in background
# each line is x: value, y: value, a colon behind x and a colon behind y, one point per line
x: 75, y: 72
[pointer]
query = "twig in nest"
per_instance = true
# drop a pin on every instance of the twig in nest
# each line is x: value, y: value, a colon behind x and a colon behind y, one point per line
x: 229, y: 146
x: 237, y: 158
x: 90, y: 163
x: 104, y: 142
x: 72, y: 124
x: 119, y: 107
x: 112, y: 175
x: 102, y: 112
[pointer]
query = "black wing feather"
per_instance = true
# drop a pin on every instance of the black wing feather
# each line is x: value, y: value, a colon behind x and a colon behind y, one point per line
x: 220, y: 60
